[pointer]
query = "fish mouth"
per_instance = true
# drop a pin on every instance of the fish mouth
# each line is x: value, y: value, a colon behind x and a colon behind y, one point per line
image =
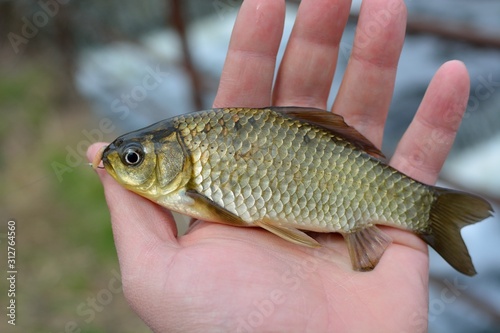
x: 105, y: 160
x: 97, y: 159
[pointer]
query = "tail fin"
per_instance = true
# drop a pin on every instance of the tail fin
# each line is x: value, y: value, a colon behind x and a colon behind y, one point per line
x: 451, y: 211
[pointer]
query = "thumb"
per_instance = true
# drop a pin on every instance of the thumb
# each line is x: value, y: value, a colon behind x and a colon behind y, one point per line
x: 138, y: 224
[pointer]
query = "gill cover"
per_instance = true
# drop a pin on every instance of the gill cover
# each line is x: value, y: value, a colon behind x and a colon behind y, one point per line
x: 172, y: 166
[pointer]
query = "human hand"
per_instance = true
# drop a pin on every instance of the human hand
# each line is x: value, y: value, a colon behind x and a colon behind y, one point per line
x: 228, y: 279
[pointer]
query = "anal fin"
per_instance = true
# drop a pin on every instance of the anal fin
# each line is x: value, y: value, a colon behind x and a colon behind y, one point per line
x: 366, y: 247
x: 290, y: 234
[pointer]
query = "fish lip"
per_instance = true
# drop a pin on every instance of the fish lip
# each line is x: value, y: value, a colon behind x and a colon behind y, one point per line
x: 105, y: 161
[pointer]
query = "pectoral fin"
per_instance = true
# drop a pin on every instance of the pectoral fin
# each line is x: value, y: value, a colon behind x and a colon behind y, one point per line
x: 290, y: 234
x: 210, y: 211
x: 366, y: 247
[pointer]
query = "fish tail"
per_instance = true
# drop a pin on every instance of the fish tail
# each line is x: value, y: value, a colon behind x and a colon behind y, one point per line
x: 450, y: 211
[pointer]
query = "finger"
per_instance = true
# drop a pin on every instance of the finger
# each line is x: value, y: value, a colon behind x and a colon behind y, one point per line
x: 138, y: 224
x: 366, y: 90
x: 248, y: 72
x: 308, y: 65
x: 428, y: 140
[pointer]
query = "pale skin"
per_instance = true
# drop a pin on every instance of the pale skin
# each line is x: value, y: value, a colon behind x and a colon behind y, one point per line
x: 224, y: 278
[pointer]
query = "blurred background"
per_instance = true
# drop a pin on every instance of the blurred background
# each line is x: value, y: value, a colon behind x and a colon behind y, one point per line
x: 72, y: 73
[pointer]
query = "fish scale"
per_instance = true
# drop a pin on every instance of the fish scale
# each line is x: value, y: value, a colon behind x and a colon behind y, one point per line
x: 288, y: 169
x: 352, y: 173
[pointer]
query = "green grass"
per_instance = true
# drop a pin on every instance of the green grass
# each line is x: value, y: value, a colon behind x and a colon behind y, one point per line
x: 65, y: 249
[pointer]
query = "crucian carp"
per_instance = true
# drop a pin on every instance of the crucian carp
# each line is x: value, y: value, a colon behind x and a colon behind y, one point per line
x: 290, y: 170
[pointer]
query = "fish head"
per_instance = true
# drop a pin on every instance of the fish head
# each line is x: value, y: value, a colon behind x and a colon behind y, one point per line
x: 131, y: 163
x: 148, y: 164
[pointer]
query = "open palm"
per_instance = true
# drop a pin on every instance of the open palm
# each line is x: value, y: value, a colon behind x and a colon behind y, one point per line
x: 219, y: 278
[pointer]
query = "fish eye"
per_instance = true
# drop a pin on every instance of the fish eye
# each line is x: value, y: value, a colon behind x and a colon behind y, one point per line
x: 133, y: 155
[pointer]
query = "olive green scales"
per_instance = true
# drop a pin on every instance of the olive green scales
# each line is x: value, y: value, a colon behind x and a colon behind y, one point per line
x: 290, y: 169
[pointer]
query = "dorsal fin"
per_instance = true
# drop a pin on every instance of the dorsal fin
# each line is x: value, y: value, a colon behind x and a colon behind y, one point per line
x: 333, y: 123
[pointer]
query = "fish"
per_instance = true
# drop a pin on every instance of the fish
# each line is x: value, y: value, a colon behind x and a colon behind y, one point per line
x: 290, y: 170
